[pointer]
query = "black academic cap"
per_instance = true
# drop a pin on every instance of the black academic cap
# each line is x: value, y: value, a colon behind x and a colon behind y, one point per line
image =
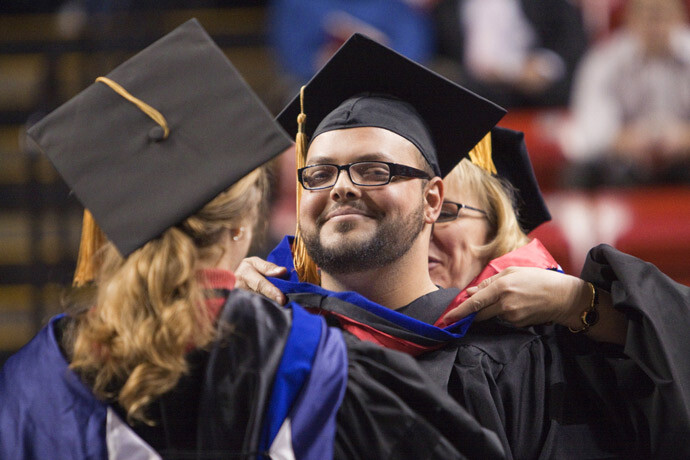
x: 116, y: 159
x: 512, y: 162
x: 362, y: 71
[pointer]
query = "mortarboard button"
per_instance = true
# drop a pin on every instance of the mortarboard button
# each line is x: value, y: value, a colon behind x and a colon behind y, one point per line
x: 156, y: 134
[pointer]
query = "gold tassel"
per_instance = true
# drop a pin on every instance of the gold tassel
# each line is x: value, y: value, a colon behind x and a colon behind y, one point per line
x: 143, y: 106
x: 92, y: 240
x: 305, y: 266
x: 480, y: 155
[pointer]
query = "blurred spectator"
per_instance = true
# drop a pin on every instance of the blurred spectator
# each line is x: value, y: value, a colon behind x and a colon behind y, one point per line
x: 305, y: 33
x: 631, y: 101
x: 515, y: 52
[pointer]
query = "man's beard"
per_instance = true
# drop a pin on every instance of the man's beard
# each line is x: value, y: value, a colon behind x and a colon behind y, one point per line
x: 392, y: 240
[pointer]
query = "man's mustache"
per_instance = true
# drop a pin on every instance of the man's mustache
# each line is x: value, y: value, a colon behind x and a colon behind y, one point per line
x: 357, y: 207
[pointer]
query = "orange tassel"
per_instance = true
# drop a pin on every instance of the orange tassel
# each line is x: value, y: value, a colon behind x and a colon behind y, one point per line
x: 480, y: 155
x: 92, y: 240
x: 304, y: 265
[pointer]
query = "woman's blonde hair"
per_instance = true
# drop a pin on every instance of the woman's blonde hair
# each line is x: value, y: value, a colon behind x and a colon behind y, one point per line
x: 147, y: 310
x: 496, y: 198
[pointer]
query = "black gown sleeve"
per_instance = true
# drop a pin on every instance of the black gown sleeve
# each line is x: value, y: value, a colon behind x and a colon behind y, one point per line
x: 647, y: 386
x: 392, y: 410
x: 499, y: 376
x: 242, y: 363
x: 517, y: 383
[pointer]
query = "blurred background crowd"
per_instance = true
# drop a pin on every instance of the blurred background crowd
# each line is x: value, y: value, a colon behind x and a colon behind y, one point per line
x: 601, y: 89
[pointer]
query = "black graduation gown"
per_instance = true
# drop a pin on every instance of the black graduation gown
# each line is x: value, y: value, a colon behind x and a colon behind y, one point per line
x: 381, y: 405
x: 389, y: 409
x: 645, y: 385
x: 511, y: 380
x: 549, y: 393
x: 518, y: 383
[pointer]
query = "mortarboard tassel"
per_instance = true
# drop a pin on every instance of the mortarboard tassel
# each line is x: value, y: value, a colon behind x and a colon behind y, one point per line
x: 305, y: 266
x: 154, y: 114
x: 92, y: 237
x: 92, y: 240
x: 481, y: 155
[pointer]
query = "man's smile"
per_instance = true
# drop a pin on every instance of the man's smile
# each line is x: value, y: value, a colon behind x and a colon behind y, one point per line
x: 343, y: 213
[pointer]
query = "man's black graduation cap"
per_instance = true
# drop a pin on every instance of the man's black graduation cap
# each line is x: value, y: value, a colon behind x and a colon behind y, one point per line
x: 347, y: 92
x: 509, y: 154
x: 133, y: 179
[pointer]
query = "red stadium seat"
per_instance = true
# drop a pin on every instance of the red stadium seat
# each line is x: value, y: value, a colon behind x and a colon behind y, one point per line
x: 660, y: 229
x: 650, y: 223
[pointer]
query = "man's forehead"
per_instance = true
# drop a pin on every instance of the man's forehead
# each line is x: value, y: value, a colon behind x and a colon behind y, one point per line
x: 362, y: 144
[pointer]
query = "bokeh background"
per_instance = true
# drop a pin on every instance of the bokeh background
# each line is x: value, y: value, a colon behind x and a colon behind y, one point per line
x: 50, y: 50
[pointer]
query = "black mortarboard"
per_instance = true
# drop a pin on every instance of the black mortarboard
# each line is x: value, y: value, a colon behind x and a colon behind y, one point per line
x: 512, y: 162
x: 354, y: 89
x: 136, y: 182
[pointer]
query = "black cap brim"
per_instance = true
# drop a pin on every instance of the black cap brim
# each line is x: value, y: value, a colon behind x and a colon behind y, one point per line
x: 512, y: 162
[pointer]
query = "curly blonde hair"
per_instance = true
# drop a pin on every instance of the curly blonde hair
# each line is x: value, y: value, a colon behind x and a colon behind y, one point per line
x: 146, y: 311
x: 496, y: 198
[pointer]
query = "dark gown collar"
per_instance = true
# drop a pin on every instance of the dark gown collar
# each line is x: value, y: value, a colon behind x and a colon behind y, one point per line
x: 428, y: 308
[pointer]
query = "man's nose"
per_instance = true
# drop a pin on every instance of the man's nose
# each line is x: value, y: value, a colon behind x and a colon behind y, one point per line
x: 344, y: 188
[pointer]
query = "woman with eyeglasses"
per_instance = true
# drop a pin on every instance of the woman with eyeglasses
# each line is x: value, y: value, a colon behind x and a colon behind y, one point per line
x: 477, y: 224
x: 475, y: 238
x: 623, y: 339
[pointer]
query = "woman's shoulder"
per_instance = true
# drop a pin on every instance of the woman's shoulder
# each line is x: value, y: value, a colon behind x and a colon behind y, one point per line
x: 39, y: 356
x: 249, y: 308
x: 36, y: 384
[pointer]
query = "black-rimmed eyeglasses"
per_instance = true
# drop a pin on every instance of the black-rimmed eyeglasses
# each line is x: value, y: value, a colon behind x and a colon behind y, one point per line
x: 451, y: 210
x: 362, y: 173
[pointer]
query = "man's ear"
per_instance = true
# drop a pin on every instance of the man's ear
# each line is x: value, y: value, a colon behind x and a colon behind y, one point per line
x: 433, y: 199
